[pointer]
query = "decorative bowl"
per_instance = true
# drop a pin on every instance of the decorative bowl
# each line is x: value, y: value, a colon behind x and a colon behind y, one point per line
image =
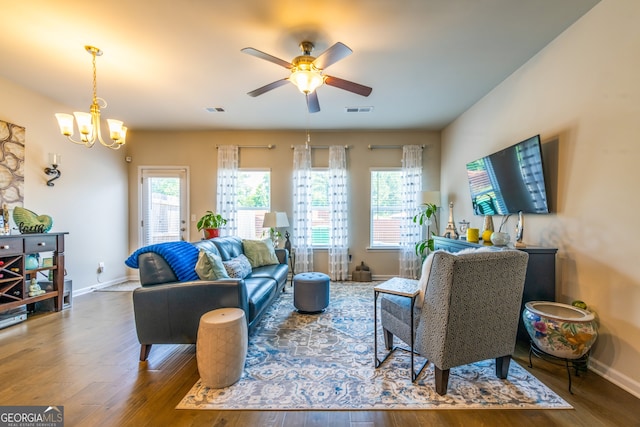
x: 500, y: 239
x: 560, y: 330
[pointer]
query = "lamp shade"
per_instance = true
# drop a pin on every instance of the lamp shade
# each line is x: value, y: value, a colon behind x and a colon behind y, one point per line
x: 430, y: 197
x: 275, y: 220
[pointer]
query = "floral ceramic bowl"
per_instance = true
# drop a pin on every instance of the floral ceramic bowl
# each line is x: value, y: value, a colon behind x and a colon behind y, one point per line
x: 560, y: 329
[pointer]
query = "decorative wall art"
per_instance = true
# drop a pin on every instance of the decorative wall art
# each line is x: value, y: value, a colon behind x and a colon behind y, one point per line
x: 12, y: 138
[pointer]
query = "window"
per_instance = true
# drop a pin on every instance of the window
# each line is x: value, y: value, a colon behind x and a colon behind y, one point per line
x: 320, y: 207
x: 254, y: 200
x: 386, y: 208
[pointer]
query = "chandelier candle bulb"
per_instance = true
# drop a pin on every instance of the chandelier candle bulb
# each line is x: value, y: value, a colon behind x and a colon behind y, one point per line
x: 54, y: 159
x: 65, y: 122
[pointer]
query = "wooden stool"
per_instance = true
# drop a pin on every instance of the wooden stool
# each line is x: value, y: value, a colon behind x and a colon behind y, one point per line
x: 221, y: 347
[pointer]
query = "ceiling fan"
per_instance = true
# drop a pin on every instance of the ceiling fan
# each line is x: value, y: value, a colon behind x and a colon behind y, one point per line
x: 307, y: 72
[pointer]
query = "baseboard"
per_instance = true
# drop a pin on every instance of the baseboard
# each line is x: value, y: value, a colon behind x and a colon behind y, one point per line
x: 615, y: 377
x: 378, y: 277
x: 101, y: 285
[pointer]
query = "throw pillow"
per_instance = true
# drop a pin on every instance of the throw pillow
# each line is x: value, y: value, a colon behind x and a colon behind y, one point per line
x: 210, y: 266
x: 424, y: 279
x: 238, y: 267
x: 260, y: 252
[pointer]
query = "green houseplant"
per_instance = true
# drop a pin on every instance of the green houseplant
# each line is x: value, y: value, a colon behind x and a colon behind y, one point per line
x: 424, y: 217
x: 211, y: 223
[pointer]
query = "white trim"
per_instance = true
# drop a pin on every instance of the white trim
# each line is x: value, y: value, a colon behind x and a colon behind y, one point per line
x: 100, y: 285
x: 615, y: 377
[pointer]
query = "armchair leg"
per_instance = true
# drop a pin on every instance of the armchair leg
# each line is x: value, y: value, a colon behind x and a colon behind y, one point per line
x: 502, y: 366
x: 388, y: 339
x: 144, y: 351
x: 442, y: 380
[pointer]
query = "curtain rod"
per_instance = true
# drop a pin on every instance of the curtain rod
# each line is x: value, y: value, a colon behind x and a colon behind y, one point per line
x: 346, y: 147
x: 374, y: 147
x: 270, y: 146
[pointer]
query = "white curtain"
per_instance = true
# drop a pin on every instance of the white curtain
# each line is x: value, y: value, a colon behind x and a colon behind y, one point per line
x: 410, y: 232
x: 338, y: 210
x: 228, y: 187
x: 301, y: 238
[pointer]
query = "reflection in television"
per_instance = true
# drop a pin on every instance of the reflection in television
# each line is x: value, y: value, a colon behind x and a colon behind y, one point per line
x: 509, y: 181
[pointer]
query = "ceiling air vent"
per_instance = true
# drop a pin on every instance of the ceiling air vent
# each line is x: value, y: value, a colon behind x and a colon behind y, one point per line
x: 214, y: 109
x: 358, y: 109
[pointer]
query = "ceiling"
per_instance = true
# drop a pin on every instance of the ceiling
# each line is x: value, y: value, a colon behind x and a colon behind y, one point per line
x: 166, y: 61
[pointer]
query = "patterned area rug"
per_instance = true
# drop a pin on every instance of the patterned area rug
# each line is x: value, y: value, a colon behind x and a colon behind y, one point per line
x: 325, y: 362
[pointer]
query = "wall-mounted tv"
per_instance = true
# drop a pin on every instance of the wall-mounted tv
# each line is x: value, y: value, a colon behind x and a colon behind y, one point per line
x: 509, y: 181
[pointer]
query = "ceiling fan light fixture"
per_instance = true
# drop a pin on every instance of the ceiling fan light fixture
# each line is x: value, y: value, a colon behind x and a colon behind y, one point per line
x: 306, y: 80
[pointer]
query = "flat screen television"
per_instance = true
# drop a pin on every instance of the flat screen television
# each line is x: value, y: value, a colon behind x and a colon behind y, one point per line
x: 509, y: 181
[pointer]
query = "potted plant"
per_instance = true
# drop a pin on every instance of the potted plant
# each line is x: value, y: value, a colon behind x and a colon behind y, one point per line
x: 424, y: 217
x: 211, y: 224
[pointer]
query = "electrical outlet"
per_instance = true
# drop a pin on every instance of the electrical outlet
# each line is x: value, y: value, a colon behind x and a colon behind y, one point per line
x: 100, y: 267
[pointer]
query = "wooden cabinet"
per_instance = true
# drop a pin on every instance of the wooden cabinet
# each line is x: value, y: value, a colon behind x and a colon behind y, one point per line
x: 15, y: 277
x: 540, y: 281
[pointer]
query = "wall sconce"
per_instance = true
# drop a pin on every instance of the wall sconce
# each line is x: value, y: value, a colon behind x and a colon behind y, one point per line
x: 54, y: 159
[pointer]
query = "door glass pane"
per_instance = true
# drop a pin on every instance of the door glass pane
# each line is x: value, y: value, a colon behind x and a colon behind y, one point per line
x: 163, y: 202
x: 162, y: 222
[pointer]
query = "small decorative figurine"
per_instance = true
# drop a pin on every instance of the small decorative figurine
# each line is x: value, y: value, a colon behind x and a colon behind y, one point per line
x: 35, y: 289
x: 451, y: 232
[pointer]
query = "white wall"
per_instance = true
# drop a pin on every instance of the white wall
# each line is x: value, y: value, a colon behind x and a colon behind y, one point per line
x: 89, y: 200
x: 582, y: 94
x: 198, y: 150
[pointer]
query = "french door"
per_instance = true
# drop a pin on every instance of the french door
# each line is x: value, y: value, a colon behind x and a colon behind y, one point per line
x: 163, y: 205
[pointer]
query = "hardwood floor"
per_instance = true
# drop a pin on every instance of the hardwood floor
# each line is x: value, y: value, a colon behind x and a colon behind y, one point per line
x: 86, y: 359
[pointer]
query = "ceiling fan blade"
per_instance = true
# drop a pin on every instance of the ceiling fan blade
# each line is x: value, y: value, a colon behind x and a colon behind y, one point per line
x: 312, y: 102
x: 332, y: 55
x: 267, y: 88
x: 259, y: 54
x: 347, y: 85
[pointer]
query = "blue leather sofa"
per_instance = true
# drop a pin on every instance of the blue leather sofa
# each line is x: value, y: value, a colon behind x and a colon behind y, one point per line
x: 168, y: 311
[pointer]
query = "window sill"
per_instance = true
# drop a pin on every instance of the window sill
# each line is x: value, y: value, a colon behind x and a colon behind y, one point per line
x: 383, y: 248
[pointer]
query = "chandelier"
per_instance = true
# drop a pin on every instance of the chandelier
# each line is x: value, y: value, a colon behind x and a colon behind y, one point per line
x: 89, y: 123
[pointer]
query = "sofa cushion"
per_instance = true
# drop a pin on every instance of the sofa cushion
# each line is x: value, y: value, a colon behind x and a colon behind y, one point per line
x: 260, y: 252
x: 260, y: 291
x: 238, y: 267
x: 208, y: 245
x: 228, y: 246
x: 210, y: 266
x: 279, y: 272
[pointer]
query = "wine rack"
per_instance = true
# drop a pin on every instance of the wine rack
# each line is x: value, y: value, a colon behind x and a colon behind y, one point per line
x: 15, y: 278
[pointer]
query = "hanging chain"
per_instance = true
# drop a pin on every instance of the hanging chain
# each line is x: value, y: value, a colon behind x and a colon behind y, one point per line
x: 95, y: 80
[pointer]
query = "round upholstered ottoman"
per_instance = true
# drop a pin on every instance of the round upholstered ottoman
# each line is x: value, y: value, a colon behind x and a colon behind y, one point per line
x: 221, y: 346
x: 310, y: 292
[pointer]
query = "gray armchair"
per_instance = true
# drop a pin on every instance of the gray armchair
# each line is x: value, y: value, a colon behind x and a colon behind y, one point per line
x: 470, y: 311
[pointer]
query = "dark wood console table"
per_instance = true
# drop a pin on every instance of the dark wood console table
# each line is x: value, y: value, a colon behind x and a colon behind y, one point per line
x: 539, y: 283
x: 15, y: 278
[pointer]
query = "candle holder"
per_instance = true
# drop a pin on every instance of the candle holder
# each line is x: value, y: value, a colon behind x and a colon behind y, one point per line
x: 54, y: 159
